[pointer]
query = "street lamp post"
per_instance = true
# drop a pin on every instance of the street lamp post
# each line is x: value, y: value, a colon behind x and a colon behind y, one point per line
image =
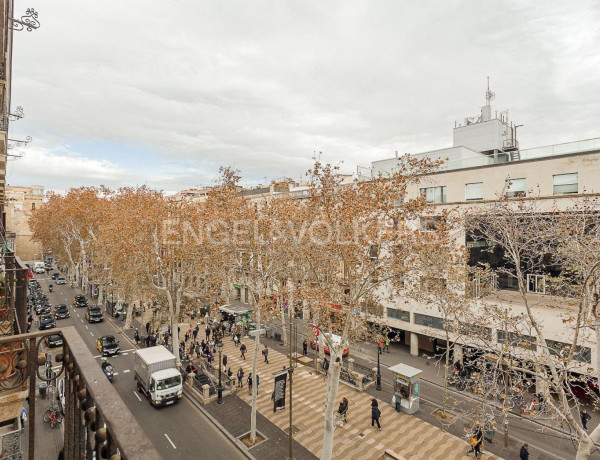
x: 378, y: 378
x: 220, y: 388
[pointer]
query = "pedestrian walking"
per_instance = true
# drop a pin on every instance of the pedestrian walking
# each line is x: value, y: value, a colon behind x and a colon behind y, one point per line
x: 326, y: 366
x: 257, y: 382
x: 23, y: 417
x: 243, y: 351
x: 195, y: 333
x: 117, y: 317
x: 380, y: 346
x: 236, y: 340
x: 585, y: 417
x: 198, y: 350
x: 207, y: 332
x: 249, y: 382
x: 166, y: 337
x: 524, y: 453
x: 375, y: 414
x: 240, y: 376
x: 147, y: 341
x: 148, y: 328
x: 386, y: 344
x: 136, y: 336
x: 476, y: 440
x: 224, y: 361
x: 304, y: 348
x: 265, y: 353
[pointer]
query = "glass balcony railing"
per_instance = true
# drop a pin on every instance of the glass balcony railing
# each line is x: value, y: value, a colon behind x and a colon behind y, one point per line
x: 587, y: 145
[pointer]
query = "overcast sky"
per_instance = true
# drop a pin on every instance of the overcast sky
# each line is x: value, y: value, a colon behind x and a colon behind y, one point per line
x: 131, y: 92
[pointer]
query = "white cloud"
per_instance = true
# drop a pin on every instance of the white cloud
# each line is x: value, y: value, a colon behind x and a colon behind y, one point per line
x: 261, y: 85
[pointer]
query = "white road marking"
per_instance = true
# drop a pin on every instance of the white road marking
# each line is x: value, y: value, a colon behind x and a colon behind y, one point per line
x: 115, y: 373
x: 137, y: 396
x: 125, y: 371
x: 169, y: 439
x: 91, y: 333
x: 100, y: 356
x: 126, y: 351
x: 87, y: 327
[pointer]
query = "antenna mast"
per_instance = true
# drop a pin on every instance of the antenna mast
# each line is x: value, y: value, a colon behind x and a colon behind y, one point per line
x: 489, y: 95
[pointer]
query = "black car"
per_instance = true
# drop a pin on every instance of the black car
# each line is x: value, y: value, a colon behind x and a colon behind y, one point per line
x: 54, y: 341
x: 46, y: 322
x: 55, y: 275
x: 108, y: 345
x: 94, y: 315
x: 42, y: 308
x: 61, y: 311
x: 80, y: 301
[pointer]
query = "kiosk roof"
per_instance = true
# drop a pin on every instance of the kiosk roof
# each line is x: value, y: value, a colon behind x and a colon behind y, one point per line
x: 405, y: 370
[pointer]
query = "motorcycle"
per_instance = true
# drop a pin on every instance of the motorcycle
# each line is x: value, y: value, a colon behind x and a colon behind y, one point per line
x: 108, y: 371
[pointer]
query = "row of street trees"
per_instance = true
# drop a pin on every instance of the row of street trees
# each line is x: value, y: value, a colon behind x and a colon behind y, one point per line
x: 340, y: 252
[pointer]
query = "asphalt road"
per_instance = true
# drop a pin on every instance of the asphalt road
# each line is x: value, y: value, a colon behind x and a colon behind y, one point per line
x: 177, y: 431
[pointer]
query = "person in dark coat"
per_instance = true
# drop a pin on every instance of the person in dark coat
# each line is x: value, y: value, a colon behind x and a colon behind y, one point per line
x: 524, y: 453
x: 478, y: 436
x: 375, y: 414
x: 585, y: 417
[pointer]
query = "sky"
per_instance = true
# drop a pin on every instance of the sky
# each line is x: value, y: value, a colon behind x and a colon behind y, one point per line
x: 163, y: 93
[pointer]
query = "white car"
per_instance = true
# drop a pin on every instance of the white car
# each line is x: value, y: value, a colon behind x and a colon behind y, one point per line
x: 40, y: 270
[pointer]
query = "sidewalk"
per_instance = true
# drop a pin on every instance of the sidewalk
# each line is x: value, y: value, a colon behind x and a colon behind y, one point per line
x: 404, y: 434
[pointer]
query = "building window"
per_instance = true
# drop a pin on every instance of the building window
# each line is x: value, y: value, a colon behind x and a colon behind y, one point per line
x: 582, y: 354
x: 566, y: 183
x: 399, y: 314
x: 434, y: 194
x: 516, y: 187
x: 518, y: 340
x: 32, y: 206
x: 476, y: 331
x: 429, y: 321
x: 474, y: 191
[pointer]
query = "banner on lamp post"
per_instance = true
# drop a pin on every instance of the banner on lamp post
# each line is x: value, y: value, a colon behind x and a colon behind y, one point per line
x: 279, y: 391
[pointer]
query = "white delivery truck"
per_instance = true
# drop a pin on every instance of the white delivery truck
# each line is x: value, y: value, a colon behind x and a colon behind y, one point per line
x: 38, y: 267
x: 157, y: 375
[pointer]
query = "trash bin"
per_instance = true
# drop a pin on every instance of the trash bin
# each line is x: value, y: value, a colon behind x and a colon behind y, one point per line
x: 43, y: 387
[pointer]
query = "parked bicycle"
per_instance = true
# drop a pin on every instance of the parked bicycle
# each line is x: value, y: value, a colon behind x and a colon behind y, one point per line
x: 53, y: 416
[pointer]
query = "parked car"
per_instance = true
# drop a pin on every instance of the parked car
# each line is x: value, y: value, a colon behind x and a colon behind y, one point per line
x: 55, y: 275
x: 54, y: 340
x: 46, y: 322
x: 108, y: 345
x: 61, y: 311
x: 80, y: 301
x: 61, y: 280
x: 94, y: 314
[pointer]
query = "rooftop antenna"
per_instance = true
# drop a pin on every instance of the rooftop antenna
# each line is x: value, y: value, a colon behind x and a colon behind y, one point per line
x: 489, y: 95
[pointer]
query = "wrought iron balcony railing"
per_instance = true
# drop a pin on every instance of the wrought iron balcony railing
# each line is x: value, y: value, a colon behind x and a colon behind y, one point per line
x: 98, y: 424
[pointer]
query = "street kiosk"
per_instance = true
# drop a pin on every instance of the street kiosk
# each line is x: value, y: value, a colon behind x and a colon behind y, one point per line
x: 406, y: 388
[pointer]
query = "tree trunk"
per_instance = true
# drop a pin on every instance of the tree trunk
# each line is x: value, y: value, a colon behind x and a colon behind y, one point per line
x: 129, y: 316
x: 283, y: 326
x: 254, y: 389
x: 100, y: 294
x: 333, y: 381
